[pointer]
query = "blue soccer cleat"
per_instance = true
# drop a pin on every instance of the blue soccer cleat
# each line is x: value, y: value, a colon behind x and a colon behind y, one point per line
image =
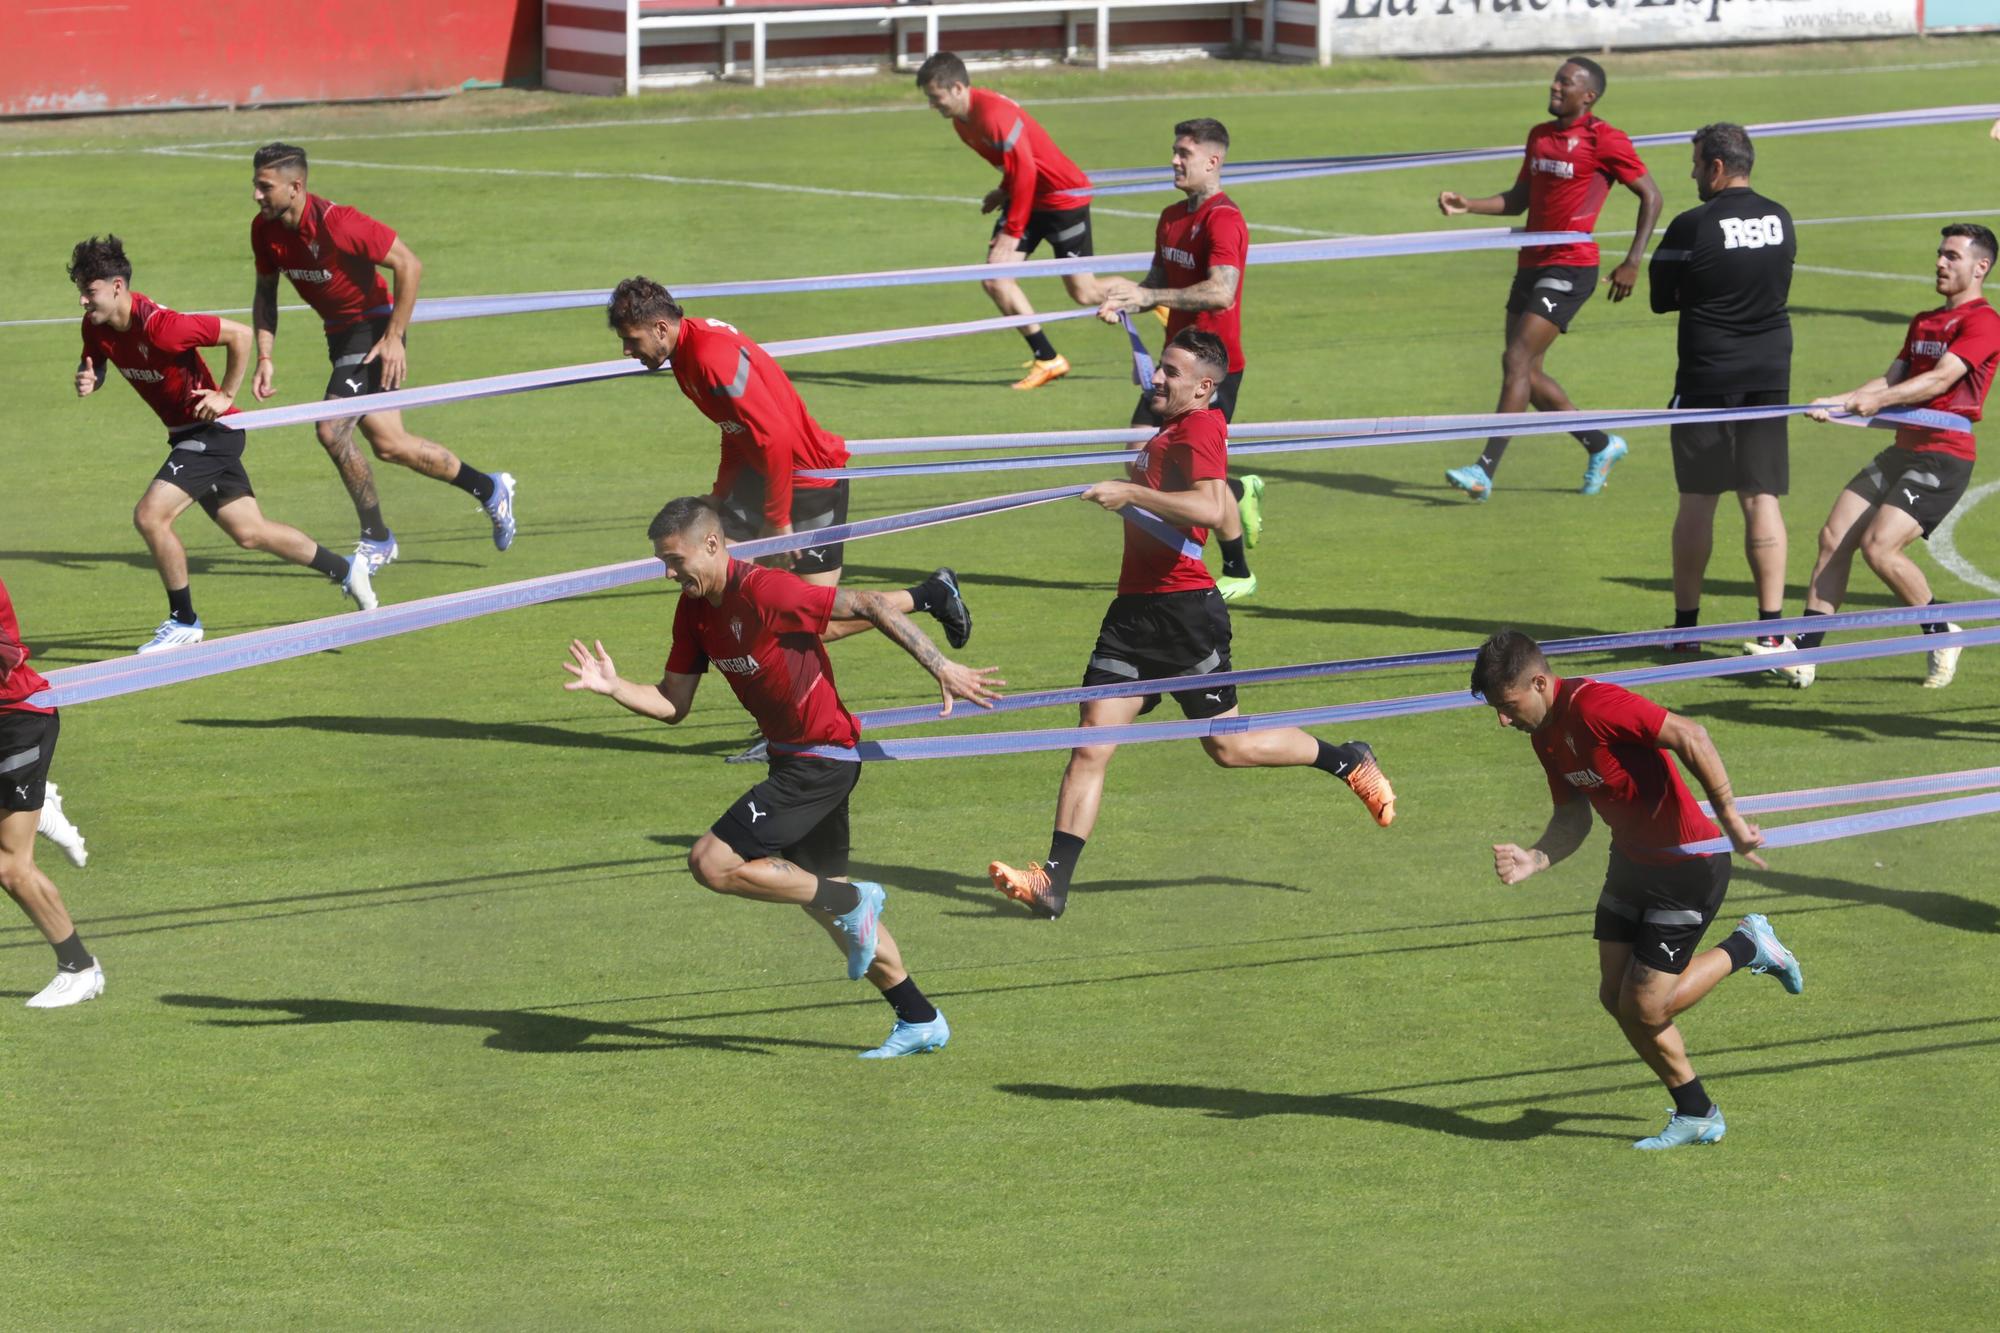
x: 1472, y: 479
x: 1771, y: 955
x: 1598, y: 471
x: 912, y: 1039
x: 500, y: 508
x: 1682, y: 1130
x: 858, y: 927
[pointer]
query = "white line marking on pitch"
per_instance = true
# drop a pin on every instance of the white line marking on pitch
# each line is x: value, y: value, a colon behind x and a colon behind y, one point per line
x: 1945, y: 551
x: 1859, y: 273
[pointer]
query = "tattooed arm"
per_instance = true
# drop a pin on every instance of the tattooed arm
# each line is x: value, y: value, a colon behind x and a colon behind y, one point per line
x: 973, y: 684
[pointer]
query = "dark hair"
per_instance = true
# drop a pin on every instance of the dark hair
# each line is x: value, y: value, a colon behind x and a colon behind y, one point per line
x: 1205, y: 347
x: 640, y: 300
x: 288, y: 156
x: 1203, y: 129
x: 1978, y: 237
x: 1507, y: 658
x: 1728, y: 144
x: 1596, y: 72
x: 943, y: 67
x: 689, y: 511
x: 103, y: 258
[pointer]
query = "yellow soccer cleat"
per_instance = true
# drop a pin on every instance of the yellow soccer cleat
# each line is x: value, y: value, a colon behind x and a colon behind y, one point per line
x: 1044, y: 372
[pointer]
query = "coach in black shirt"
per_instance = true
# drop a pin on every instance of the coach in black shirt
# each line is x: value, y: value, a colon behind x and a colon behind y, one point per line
x: 1727, y: 267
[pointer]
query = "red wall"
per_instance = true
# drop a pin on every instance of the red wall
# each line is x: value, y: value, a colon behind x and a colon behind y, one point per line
x: 111, y: 56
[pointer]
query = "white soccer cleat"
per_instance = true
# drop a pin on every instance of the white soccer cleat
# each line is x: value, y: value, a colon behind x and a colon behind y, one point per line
x: 377, y: 554
x: 501, y: 510
x: 70, y: 988
x: 172, y: 634
x: 55, y: 826
x: 357, y: 584
x: 1943, y: 663
x: 1798, y: 677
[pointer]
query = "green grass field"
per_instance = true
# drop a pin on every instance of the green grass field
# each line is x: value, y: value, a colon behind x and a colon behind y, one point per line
x: 415, y: 1016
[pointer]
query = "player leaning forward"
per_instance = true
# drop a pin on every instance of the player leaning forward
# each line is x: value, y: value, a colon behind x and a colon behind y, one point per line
x: 1606, y: 748
x: 786, y: 839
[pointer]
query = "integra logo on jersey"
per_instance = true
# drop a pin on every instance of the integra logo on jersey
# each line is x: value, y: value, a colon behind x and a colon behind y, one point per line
x: 309, y: 274
x: 1551, y: 166
x: 133, y: 373
x: 745, y: 665
x: 1174, y: 255
x: 1584, y: 777
x: 1929, y: 347
x: 733, y: 428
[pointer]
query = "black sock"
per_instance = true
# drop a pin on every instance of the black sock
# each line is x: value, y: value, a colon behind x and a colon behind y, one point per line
x: 71, y: 956
x: 473, y: 482
x: 374, y: 527
x: 909, y: 1002
x: 1594, y: 440
x: 1689, y: 1099
x: 1235, y: 564
x: 1490, y: 459
x: 1065, y: 849
x: 1338, y: 760
x: 180, y: 605
x: 1935, y: 627
x: 928, y: 596
x: 329, y: 564
x: 1812, y: 638
x: 1778, y: 614
x: 1235, y: 486
x: 836, y: 896
x: 1685, y: 618
x: 1742, y: 950
x: 1039, y: 344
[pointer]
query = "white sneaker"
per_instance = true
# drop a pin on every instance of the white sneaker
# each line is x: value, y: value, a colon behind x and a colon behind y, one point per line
x: 172, y: 634
x: 1799, y: 677
x: 55, y: 826
x: 1943, y: 663
x: 357, y: 584
x: 377, y: 554
x: 70, y: 988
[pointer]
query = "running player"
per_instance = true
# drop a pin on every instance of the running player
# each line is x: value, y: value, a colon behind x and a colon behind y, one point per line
x: 27, y: 746
x: 786, y: 840
x: 331, y: 253
x: 1200, y: 248
x: 1042, y: 196
x: 1727, y: 267
x: 1571, y: 162
x: 767, y: 436
x: 1610, y: 747
x: 156, y: 350
x: 1947, y: 362
x: 1168, y: 620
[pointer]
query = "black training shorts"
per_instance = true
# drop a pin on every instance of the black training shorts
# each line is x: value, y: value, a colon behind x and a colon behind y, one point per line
x: 1067, y: 230
x: 1711, y: 457
x: 1222, y: 400
x: 1555, y: 293
x: 1925, y: 485
x: 1154, y: 635
x: 353, y: 374
x: 206, y: 462
x: 813, y: 508
x: 1661, y: 911
x: 27, y: 744
x: 798, y: 812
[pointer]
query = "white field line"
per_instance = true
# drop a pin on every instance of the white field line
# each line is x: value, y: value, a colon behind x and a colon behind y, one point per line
x: 1945, y: 551
x: 1859, y: 273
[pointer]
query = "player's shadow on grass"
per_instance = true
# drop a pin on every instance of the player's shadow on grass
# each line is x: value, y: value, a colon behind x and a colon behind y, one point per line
x: 974, y: 889
x: 522, y: 1031
x: 973, y: 580
x: 1872, y: 316
x: 453, y: 729
x: 1932, y: 906
x: 1247, y: 1104
x: 1391, y: 619
x: 1744, y: 592
x: 878, y: 379
x: 1354, y: 483
x: 1784, y: 711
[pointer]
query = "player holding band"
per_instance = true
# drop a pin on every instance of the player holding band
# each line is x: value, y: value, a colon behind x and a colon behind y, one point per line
x: 331, y: 253
x: 786, y: 840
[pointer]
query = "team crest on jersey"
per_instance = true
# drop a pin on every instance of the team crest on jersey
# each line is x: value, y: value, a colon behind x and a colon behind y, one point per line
x: 145, y: 352
x: 1584, y: 777
x: 736, y: 628
x: 1570, y: 741
x: 312, y: 248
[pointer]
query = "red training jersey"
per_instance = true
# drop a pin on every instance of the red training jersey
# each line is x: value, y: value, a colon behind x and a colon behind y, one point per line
x: 1971, y: 333
x: 1036, y: 175
x: 765, y: 425
x: 764, y: 637
x: 331, y: 260
x: 157, y: 356
x: 1569, y: 172
x: 1193, y: 447
x: 18, y: 680
x: 1188, y: 244
x: 1604, y: 741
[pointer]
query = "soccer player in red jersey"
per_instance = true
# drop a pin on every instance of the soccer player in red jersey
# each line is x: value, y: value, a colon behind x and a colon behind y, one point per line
x: 786, y: 840
x: 1947, y: 362
x: 157, y: 351
x: 1200, y: 247
x: 1042, y: 196
x: 27, y: 747
x: 1570, y: 164
x: 767, y: 436
x: 331, y: 253
x: 1168, y: 621
x: 1607, y: 749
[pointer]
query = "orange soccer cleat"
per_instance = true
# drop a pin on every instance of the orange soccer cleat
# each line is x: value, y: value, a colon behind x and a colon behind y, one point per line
x: 1044, y: 372
x: 1032, y: 888
x: 1367, y: 781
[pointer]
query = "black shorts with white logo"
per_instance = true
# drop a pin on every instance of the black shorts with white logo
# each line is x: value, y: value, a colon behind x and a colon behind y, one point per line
x: 353, y: 374
x: 813, y: 508
x: 206, y: 462
x: 27, y: 744
x: 798, y: 812
x: 1222, y: 400
x: 1711, y: 457
x: 1555, y: 293
x: 1661, y: 911
x: 1155, y: 635
x: 1925, y: 485
x: 1067, y: 230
